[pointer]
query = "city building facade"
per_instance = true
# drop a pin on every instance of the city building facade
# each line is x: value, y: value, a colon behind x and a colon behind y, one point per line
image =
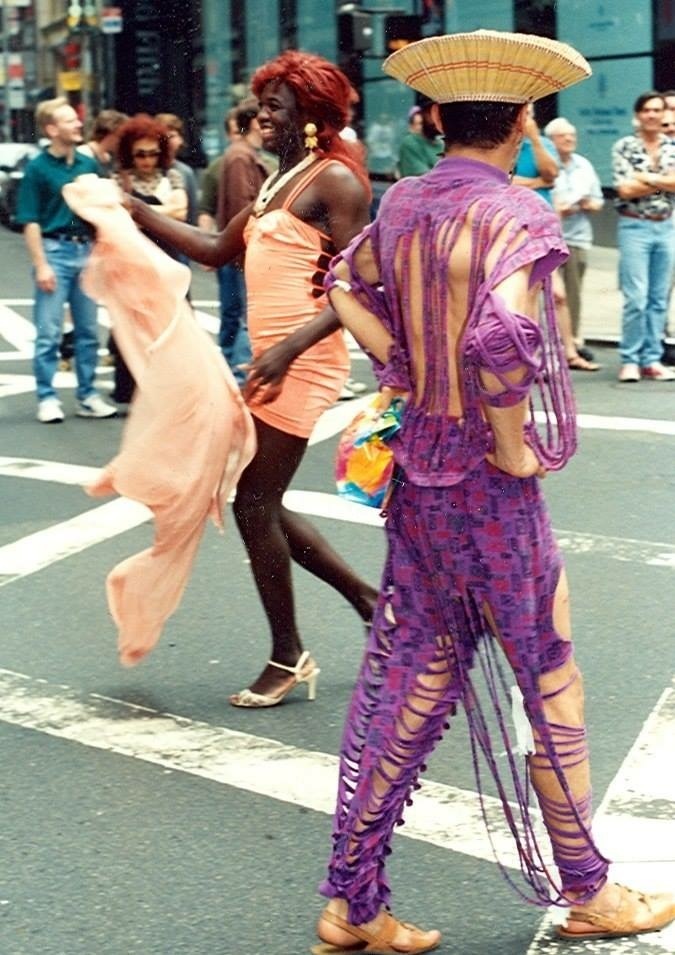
x: 631, y: 47
x: 195, y: 57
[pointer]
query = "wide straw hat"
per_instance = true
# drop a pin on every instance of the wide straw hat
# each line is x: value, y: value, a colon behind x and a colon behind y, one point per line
x: 487, y: 65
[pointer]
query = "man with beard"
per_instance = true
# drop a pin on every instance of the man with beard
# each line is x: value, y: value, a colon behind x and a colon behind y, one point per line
x: 420, y: 149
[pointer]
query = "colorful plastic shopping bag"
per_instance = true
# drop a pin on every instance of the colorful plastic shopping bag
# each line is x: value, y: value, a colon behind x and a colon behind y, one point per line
x: 364, y: 462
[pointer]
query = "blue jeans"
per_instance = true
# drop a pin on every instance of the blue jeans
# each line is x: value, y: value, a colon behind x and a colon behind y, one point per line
x: 647, y: 255
x: 67, y: 259
x: 233, y: 334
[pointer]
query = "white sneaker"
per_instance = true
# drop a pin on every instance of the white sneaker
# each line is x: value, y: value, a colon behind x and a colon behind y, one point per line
x: 629, y: 373
x: 95, y: 407
x: 658, y: 372
x: 351, y: 389
x: 49, y: 411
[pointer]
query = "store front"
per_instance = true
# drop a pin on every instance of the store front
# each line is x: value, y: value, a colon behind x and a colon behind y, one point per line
x: 195, y: 58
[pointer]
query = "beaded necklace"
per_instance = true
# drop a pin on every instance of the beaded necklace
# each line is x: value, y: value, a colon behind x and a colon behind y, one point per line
x: 272, y: 185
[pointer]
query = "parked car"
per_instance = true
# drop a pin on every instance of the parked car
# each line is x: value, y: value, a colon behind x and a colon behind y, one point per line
x: 13, y: 160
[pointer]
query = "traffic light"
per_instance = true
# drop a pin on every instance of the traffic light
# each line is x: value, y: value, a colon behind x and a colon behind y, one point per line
x: 400, y: 30
x: 90, y: 14
x: 72, y: 53
x: 355, y: 31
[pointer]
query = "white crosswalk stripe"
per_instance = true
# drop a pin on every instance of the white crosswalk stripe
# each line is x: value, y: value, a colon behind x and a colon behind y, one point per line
x: 442, y: 815
x: 31, y: 554
x: 18, y: 329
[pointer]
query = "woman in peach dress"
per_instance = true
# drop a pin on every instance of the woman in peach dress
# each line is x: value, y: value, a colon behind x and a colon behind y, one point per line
x: 304, y: 214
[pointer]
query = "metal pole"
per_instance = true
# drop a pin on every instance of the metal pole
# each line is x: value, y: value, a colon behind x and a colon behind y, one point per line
x: 97, y: 57
x: 6, y: 119
x: 110, y: 77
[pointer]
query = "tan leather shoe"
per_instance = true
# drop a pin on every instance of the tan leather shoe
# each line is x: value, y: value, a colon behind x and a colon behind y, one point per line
x: 378, y: 939
x: 635, y: 914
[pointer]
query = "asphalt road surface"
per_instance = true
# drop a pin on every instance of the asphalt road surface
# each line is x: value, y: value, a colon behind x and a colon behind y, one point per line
x: 143, y: 814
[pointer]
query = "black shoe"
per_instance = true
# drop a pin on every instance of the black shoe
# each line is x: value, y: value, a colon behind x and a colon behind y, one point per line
x: 67, y: 346
x: 586, y: 353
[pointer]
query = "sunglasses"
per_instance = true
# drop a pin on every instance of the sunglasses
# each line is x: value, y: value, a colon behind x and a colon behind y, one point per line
x: 146, y: 153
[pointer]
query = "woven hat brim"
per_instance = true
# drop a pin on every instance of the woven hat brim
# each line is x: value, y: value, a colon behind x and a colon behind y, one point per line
x: 487, y: 65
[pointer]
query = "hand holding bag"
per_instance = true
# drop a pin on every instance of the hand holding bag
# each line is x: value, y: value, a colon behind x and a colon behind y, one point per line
x: 364, y: 464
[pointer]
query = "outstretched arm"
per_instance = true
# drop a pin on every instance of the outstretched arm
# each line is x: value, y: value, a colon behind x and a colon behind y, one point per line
x: 207, y: 248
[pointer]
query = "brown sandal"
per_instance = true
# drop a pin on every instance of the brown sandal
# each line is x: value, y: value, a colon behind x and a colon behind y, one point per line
x: 625, y: 920
x: 377, y: 943
x: 579, y: 363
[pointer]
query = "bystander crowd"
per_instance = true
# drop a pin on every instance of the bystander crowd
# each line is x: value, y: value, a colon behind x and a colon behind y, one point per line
x: 207, y: 206
x: 176, y: 138
x: 145, y: 169
x: 536, y: 168
x: 102, y: 141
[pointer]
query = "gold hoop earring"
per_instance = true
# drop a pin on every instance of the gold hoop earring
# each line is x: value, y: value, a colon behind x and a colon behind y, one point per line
x: 310, y: 131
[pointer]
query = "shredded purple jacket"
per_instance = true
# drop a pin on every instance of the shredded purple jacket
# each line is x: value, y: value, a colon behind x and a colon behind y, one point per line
x: 419, y: 222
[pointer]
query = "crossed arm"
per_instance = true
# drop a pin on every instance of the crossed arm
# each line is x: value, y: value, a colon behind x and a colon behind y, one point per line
x: 646, y: 184
x: 632, y: 184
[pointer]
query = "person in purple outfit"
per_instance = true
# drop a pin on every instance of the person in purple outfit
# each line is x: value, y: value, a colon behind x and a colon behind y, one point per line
x: 449, y: 291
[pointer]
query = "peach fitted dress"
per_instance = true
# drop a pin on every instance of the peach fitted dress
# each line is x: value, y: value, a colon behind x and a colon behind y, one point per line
x: 286, y: 260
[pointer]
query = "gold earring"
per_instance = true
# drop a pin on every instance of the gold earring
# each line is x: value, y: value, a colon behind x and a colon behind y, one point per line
x: 311, y: 142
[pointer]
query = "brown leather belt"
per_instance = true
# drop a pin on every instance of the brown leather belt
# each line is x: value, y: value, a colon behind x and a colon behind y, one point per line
x: 640, y: 215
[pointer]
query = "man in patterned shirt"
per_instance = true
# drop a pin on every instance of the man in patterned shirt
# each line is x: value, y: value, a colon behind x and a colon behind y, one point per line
x: 644, y: 178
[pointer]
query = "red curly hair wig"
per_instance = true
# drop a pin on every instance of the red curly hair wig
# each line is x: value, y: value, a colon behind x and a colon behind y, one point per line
x: 141, y: 126
x: 324, y: 93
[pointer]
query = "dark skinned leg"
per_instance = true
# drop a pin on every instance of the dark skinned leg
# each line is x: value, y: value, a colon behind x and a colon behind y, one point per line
x: 272, y: 537
x: 311, y: 551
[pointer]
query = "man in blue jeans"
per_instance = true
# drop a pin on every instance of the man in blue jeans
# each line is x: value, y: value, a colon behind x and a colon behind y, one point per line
x: 242, y: 173
x: 644, y: 177
x: 59, y: 244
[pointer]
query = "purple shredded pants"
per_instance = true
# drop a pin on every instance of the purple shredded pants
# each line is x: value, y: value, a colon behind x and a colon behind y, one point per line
x: 470, y: 568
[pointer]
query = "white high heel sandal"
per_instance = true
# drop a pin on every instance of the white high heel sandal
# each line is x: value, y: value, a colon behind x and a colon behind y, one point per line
x: 304, y: 671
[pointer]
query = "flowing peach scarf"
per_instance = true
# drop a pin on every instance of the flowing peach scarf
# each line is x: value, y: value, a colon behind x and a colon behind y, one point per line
x: 188, y: 436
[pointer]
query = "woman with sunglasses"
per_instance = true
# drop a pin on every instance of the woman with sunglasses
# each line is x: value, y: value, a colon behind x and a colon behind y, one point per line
x: 144, y: 170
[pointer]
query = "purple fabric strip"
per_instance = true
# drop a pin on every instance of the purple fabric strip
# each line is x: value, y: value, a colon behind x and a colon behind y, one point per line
x: 432, y: 210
